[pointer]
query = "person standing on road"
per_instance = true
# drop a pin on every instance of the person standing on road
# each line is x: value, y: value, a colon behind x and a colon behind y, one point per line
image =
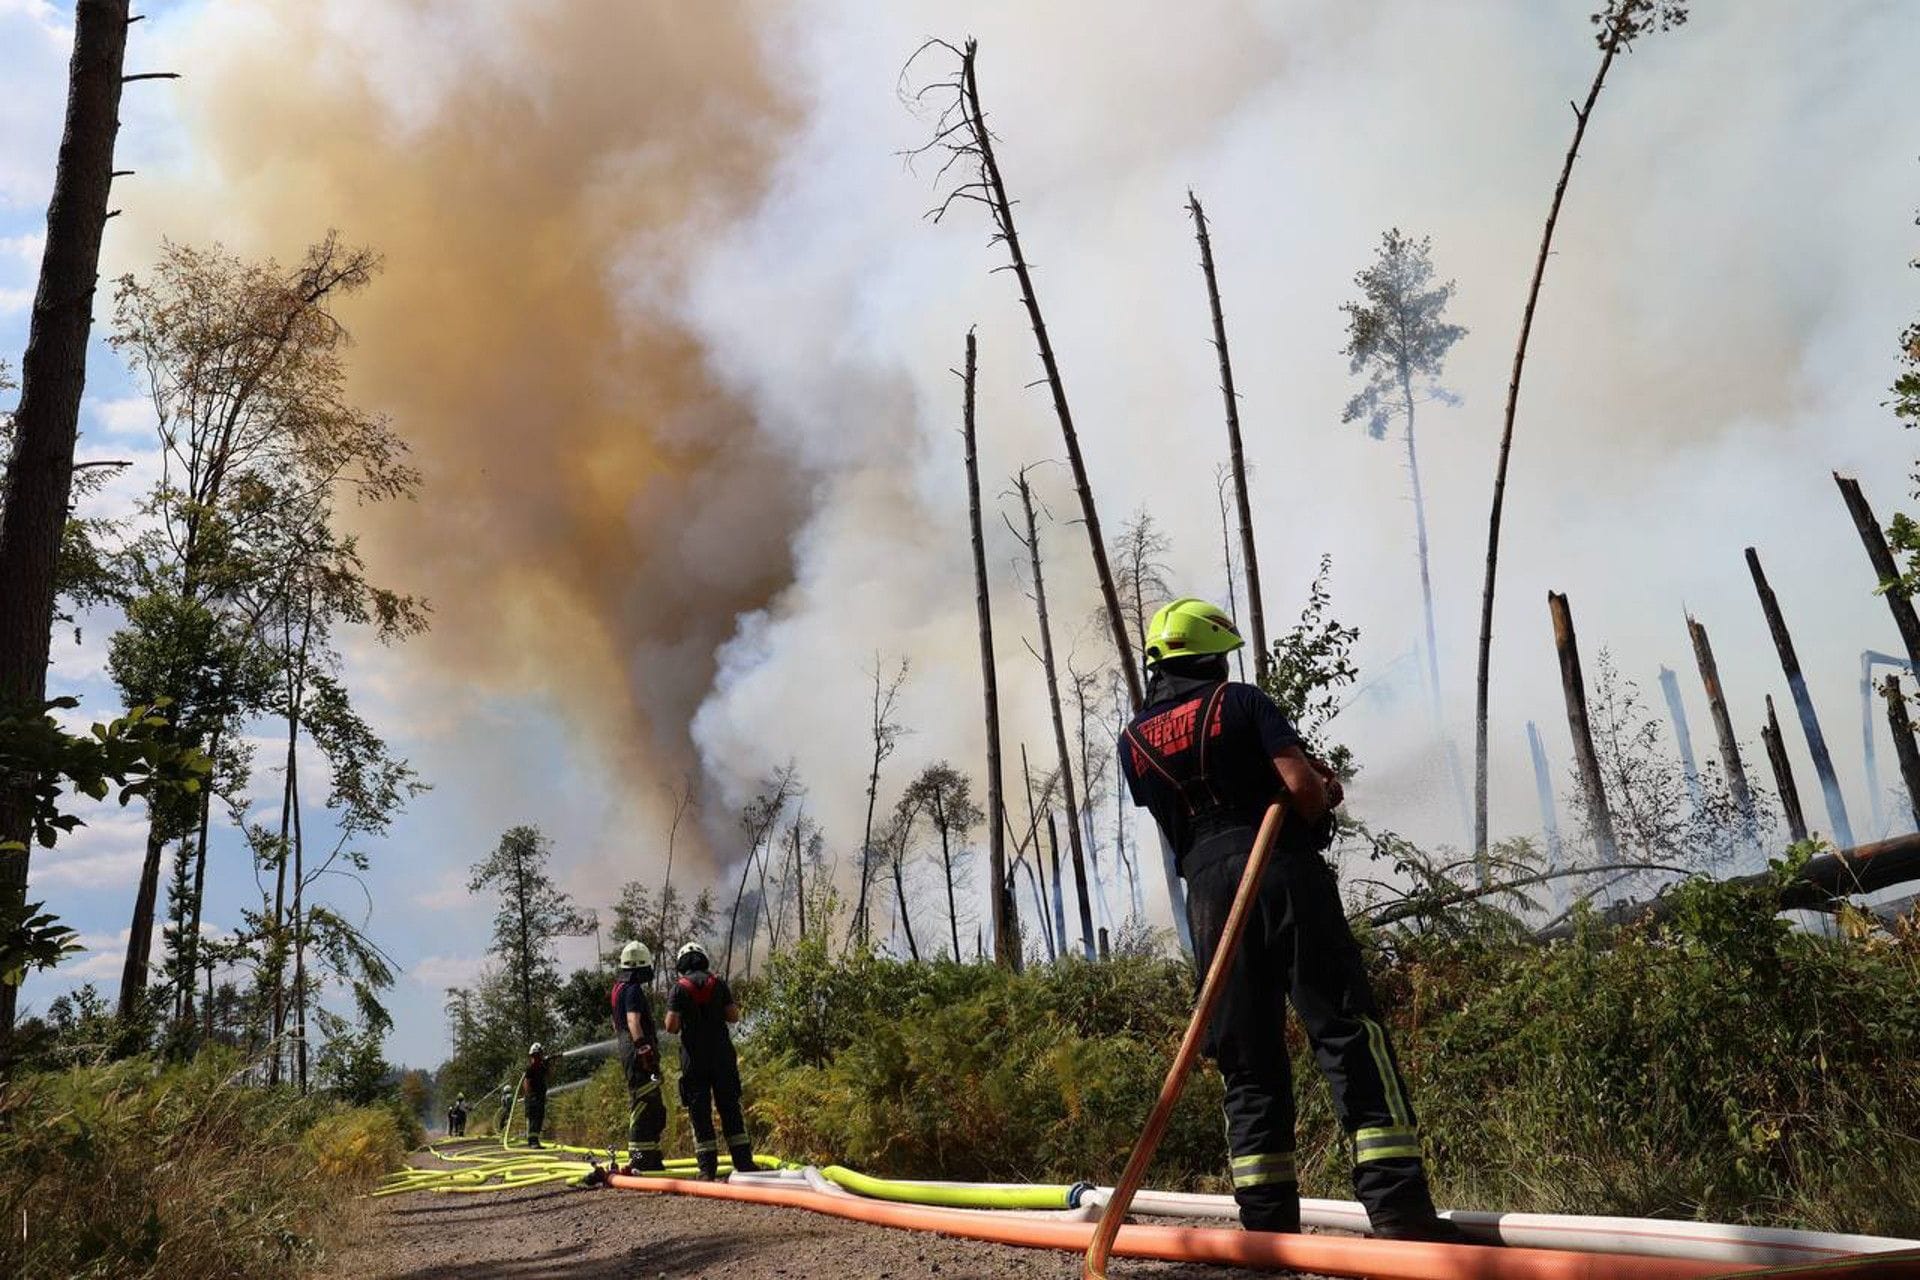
x: 457, y: 1118
x: 700, y: 1008
x: 1207, y: 756
x: 533, y: 1087
x: 639, y: 1046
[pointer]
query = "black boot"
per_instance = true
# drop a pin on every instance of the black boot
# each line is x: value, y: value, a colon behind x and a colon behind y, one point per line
x: 742, y: 1158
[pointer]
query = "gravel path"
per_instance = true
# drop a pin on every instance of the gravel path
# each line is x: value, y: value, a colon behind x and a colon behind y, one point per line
x: 571, y: 1234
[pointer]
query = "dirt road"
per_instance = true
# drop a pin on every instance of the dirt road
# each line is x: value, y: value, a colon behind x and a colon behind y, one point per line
x: 571, y: 1234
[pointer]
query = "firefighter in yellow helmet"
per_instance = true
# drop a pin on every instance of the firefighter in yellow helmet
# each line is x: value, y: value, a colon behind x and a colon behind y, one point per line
x: 1207, y: 756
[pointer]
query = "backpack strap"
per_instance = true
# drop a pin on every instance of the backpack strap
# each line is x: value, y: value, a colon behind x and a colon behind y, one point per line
x: 1209, y: 706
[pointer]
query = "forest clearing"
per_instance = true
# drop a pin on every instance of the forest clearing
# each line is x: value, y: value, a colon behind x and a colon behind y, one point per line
x: 810, y: 640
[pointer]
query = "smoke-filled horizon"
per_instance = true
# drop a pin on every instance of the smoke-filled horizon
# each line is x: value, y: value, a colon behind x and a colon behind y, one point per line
x: 673, y: 341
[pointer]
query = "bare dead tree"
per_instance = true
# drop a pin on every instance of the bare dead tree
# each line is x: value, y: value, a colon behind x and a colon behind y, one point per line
x: 886, y: 738
x: 681, y: 799
x: 1222, y: 477
x: 1620, y: 23
x: 1903, y: 745
x: 1803, y: 703
x: 1573, y: 685
x: 1730, y: 761
x: 1006, y: 946
x: 961, y: 134
x: 46, y: 422
x: 1874, y: 539
x: 757, y: 821
x: 1236, y: 458
x: 1031, y: 541
x: 1783, y: 775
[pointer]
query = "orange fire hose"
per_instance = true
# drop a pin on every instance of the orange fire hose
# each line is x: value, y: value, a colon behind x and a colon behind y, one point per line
x: 1325, y: 1255
x: 1216, y: 981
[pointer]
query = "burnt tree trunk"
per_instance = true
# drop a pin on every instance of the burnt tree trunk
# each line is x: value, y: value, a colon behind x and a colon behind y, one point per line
x: 1574, y: 686
x: 1783, y: 776
x: 1803, y: 703
x: 53, y: 376
x: 1581, y: 114
x: 1903, y: 744
x: 1006, y: 947
x: 1061, y: 751
x: 1881, y: 557
x: 1249, y: 555
x: 1003, y: 219
x: 1730, y: 762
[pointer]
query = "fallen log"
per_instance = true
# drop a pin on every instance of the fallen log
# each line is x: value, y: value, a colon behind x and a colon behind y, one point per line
x: 1865, y: 868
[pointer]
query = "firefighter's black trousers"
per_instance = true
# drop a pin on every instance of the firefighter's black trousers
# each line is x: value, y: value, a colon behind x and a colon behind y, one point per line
x: 700, y: 1093
x: 536, y: 1112
x: 1297, y: 945
x: 647, y: 1117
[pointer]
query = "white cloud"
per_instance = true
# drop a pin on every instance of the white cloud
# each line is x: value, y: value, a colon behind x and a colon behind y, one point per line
x: 437, y: 973
x: 106, y: 853
x: 129, y: 417
x: 15, y: 300
x: 448, y: 892
x: 34, y: 42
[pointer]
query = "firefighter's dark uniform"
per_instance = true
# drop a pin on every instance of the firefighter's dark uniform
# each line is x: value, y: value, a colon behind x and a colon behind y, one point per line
x: 1199, y: 756
x: 536, y: 1090
x: 647, y: 1117
x: 709, y: 1069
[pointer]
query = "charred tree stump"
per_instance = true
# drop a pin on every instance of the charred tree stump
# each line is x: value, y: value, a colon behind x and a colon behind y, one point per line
x: 1884, y: 568
x: 1249, y: 556
x: 1730, y: 761
x: 1006, y: 945
x: 1903, y: 743
x: 1574, y: 686
x: 1803, y: 703
x: 1783, y: 776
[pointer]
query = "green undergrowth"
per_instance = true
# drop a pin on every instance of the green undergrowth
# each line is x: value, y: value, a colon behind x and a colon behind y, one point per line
x: 1723, y: 1066
x: 133, y: 1169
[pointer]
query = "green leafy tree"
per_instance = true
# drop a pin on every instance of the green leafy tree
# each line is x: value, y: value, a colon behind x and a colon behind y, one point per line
x: 1398, y: 337
x: 533, y: 912
x: 1312, y: 663
x: 944, y: 797
x: 239, y: 573
x: 133, y: 756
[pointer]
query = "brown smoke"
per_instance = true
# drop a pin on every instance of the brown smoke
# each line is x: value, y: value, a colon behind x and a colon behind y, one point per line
x: 594, y: 513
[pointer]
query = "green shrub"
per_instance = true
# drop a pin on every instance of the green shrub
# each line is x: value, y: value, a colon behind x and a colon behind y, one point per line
x: 1725, y: 1065
x: 133, y: 1169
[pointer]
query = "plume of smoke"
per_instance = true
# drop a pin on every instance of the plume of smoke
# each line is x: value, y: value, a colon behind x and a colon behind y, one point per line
x: 675, y: 345
x: 596, y: 511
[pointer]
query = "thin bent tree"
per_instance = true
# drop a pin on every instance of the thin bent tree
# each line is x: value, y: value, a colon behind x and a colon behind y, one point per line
x: 1620, y: 22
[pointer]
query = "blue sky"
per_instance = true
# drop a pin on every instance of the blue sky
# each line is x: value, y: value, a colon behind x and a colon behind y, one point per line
x: 1716, y: 335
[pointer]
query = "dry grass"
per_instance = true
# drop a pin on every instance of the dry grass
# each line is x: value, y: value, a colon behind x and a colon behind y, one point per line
x: 133, y: 1170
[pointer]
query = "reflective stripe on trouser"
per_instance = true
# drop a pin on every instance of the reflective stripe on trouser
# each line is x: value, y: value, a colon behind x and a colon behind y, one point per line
x: 1263, y: 1170
x: 1298, y: 946
x: 647, y: 1118
x: 1389, y: 1143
